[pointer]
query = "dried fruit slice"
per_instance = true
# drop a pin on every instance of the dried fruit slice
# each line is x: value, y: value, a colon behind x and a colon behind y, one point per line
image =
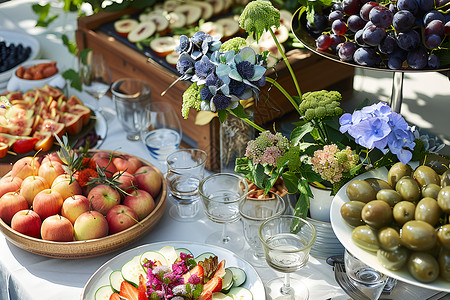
x: 230, y: 26
x: 192, y: 12
x: 125, y: 26
x: 162, y: 24
x: 176, y: 19
x: 207, y: 9
x: 45, y: 142
x: 141, y: 32
x: 164, y: 45
x: 172, y: 58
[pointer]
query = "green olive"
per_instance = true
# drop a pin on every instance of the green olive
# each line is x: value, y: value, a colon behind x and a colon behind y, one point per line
x: 444, y: 264
x: 378, y: 184
x: 445, y: 179
x: 443, y: 235
x: 397, y: 171
x: 443, y: 199
x: 403, y: 212
x: 391, y: 197
x: 425, y: 175
x: 418, y: 235
x: 393, y: 260
x: 351, y: 212
x: 428, y: 210
x: 360, y: 190
x: 408, y: 188
x: 431, y: 190
x: 365, y: 237
x: 423, y: 267
x: 389, y: 239
x: 377, y: 214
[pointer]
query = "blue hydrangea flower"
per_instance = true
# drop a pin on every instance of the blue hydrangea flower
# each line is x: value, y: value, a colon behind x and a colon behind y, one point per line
x: 237, y: 88
x: 203, y: 68
x: 221, y: 101
x: 185, y: 45
x: 185, y: 64
x: 205, y: 93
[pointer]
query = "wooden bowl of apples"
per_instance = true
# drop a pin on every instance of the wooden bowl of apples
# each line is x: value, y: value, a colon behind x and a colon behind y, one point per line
x: 68, y: 220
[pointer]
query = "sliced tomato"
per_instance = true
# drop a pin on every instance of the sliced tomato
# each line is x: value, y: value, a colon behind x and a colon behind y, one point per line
x: 24, y: 145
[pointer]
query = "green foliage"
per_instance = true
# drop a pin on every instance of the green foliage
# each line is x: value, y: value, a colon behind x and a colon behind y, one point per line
x: 72, y: 76
x: 258, y: 16
x: 191, y: 98
x: 234, y: 44
x: 321, y: 104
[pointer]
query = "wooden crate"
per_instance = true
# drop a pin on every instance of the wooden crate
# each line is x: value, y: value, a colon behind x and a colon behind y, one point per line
x: 312, y: 71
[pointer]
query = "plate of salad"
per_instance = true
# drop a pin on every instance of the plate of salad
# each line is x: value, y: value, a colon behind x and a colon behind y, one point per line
x: 175, y: 270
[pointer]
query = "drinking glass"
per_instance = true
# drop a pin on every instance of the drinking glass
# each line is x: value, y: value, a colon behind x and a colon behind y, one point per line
x: 161, y: 130
x: 370, y: 281
x: 95, y: 76
x: 287, y: 241
x: 221, y: 194
x: 185, y: 170
x: 254, y: 211
x: 130, y: 96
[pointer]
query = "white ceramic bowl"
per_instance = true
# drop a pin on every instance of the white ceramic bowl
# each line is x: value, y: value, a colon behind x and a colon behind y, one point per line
x: 19, y: 84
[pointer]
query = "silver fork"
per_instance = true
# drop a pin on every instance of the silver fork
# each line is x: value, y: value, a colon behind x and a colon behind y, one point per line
x: 345, y: 283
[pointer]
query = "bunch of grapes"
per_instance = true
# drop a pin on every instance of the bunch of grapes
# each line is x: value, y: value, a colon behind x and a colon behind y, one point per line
x: 385, y: 34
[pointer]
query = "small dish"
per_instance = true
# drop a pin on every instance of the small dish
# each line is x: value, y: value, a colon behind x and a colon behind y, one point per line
x: 18, y: 84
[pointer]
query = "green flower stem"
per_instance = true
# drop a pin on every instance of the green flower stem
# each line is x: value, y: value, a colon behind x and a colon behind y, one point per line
x: 286, y: 61
x: 248, y: 121
x: 285, y: 93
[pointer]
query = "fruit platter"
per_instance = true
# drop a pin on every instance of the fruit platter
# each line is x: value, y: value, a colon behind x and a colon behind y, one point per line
x: 402, y: 232
x: 71, y: 204
x: 204, y: 272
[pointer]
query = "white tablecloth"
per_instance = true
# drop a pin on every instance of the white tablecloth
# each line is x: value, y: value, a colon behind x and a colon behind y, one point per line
x: 24, y: 275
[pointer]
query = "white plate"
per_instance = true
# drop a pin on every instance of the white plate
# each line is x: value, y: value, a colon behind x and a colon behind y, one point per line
x: 343, y: 232
x: 16, y: 38
x: 101, y: 276
x: 101, y: 128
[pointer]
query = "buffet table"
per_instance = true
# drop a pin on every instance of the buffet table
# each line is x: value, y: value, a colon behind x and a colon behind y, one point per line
x: 24, y: 275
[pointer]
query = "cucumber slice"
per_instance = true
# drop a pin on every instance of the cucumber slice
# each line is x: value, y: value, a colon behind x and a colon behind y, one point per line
x: 227, y: 281
x: 131, y: 270
x: 153, y: 256
x: 103, y: 293
x: 220, y: 296
x: 204, y: 256
x: 239, y: 276
x: 115, y: 280
x: 240, y: 293
x: 169, y: 253
x: 182, y: 250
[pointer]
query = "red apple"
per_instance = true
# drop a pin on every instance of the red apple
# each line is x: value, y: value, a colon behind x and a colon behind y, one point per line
x: 74, y: 206
x: 24, y: 167
x: 66, y: 186
x: 148, y: 179
x: 126, y: 181
x: 105, y: 161
x: 32, y: 185
x: 121, y: 217
x: 9, y: 184
x: 57, y: 228
x: 90, y: 225
x: 47, y: 203
x: 141, y: 202
x: 50, y: 170
x: 10, y: 204
x: 52, y: 157
x: 103, y: 197
x: 27, y: 222
x: 127, y: 163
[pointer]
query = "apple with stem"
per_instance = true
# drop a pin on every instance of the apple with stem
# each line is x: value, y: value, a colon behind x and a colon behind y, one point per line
x: 32, y: 185
x: 121, y: 217
x: 66, y: 186
x: 47, y: 203
x: 52, y: 157
x: 57, y: 228
x: 127, y: 163
x: 9, y: 183
x: 90, y: 225
x: 141, y: 202
x: 27, y: 222
x: 10, y: 204
x: 125, y: 181
x: 25, y: 166
x: 50, y: 170
x: 74, y: 206
x: 148, y: 179
x: 103, y: 197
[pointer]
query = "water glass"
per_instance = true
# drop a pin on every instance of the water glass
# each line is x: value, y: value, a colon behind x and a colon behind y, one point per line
x: 130, y: 96
x: 255, y: 210
x: 370, y: 281
x: 185, y: 170
x: 161, y: 130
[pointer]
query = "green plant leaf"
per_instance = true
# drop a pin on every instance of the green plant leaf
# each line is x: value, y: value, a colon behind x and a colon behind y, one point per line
x: 72, y: 76
x: 71, y: 45
x: 290, y: 180
x: 222, y: 115
x: 239, y: 112
x: 299, y: 132
x: 302, y: 206
x: 259, y: 176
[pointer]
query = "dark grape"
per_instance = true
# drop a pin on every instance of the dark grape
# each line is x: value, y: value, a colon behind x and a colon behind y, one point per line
x: 433, y: 61
x: 410, y: 5
x: 323, y: 42
x: 351, y: 7
x: 366, y: 57
x: 388, y: 45
x: 319, y: 25
x: 335, y: 15
x: 355, y: 23
x: 339, y: 27
x: 408, y: 40
x: 358, y: 38
x: 433, y: 41
x: 365, y: 10
x: 425, y: 5
x: 417, y: 58
x: 346, y: 51
x: 433, y: 15
x: 440, y: 3
x: 434, y: 27
x: 336, y: 6
x: 393, y: 8
x: 373, y: 35
x: 381, y: 16
x: 395, y: 63
x: 336, y: 40
x: 403, y: 21
x: 447, y: 28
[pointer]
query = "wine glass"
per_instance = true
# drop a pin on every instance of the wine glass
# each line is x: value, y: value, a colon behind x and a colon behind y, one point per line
x: 161, y: 130
x: 287, y: 241
x: 95, y: 76
x: 254, y: 210
x: 221, y: 194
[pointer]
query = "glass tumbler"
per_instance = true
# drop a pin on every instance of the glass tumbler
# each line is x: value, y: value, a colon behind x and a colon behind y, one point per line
x: 130, y: 96
x: 185, y: 170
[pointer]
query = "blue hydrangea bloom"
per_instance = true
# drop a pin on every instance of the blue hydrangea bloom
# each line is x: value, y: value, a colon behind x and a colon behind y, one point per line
x: 205, y: 93
x: 185, y: 45
x: 203, y: 68
x: 185, y: 64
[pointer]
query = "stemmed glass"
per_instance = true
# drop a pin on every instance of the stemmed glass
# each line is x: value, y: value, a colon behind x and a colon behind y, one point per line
x: 287, y: 241
x: 95, y: 76
x: 255, y: 210
x: 161, y: 130
x: 221, y: 194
